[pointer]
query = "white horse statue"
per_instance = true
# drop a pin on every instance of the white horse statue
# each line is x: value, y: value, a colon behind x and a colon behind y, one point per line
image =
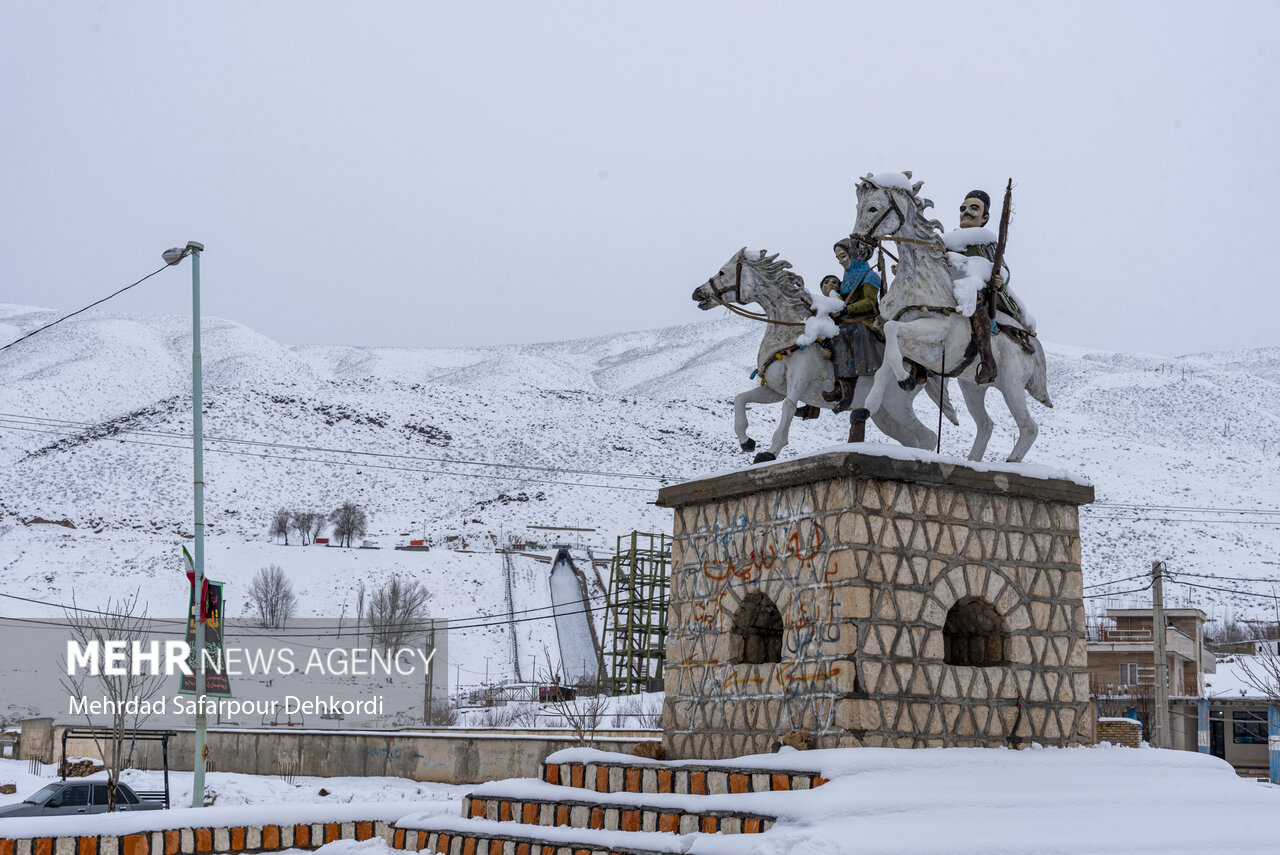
x: 798, y: 375
x: 924, y: 321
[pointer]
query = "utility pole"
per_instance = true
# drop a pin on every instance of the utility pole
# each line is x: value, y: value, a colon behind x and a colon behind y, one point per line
x: 1161, y: 736
x: 174, y: 256
x: 429, y: 647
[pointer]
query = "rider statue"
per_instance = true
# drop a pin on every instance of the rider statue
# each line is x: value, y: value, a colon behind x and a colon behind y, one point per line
x: 975, y: 212
x: 859, y: 349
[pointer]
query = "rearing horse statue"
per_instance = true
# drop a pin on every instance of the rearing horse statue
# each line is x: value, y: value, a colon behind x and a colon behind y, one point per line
x: 923, y: 320
x: 792, y: 374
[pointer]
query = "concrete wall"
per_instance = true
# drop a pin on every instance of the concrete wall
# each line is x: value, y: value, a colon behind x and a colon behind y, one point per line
x: 452, y: 756
x: 36, y: 742
x: 867, y: 558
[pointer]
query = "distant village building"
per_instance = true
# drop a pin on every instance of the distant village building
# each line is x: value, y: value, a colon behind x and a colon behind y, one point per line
x: 1122, y: 652
x: 1212, y: 708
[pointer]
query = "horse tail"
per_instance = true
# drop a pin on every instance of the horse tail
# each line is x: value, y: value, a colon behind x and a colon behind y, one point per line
x: 1037, y: 383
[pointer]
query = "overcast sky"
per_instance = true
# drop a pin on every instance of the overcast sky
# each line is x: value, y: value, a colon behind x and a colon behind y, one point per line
x: 430, y: 174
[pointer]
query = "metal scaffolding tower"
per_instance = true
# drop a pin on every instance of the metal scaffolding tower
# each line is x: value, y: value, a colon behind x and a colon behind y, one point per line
x: 635, y: 623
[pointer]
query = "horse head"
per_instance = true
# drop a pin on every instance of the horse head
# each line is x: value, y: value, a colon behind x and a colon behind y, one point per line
x: 889, y: 204
x: 756, y: 277
x: 725, y: 286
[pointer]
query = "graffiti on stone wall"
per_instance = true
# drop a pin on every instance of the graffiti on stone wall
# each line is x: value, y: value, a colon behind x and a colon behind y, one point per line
x: 802, y: 589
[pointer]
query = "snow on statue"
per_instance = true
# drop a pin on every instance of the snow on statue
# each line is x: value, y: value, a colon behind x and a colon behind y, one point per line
x: 938, y: 314
x: 789, y: 368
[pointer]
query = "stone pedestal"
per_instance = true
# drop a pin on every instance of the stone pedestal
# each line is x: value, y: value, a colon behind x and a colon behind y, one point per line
x: 874, y: 601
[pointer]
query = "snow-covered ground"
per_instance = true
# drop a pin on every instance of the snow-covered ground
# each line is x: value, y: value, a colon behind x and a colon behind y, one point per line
x: 962, y: 801
x: 231, y: 789
x: 481, y: 444
x: 236, y: 797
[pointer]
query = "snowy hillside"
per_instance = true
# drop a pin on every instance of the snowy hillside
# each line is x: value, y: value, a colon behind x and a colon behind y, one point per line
x: 478, y: 444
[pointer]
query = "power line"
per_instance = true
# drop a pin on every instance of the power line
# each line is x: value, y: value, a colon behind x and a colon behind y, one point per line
x: 1118, y: 581
x: 85, y: 309
x: 178, y: 633
x: 1188, y: 519
x: 42, y: 421
x: 294, y: 459
x: 472, y: 622
x: 1116, y: 593
x: 1206, y: 508
x: 74, y: 608
x: 1260, y: 596
x: 1212, y: 577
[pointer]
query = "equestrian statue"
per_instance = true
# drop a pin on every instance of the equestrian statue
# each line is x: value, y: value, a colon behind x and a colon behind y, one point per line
x: 949, y: 311
x: 794, y: 360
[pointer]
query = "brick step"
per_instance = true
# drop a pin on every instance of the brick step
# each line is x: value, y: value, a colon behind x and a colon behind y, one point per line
x: 452, y: 836
x: 630, y: 777
x: 559, y: 806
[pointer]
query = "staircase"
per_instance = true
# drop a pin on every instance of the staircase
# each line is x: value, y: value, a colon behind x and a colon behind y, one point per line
x: 612, y: 804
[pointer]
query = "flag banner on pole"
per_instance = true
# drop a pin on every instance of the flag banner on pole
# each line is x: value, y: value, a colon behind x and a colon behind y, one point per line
x: 216, y: 683
x: 191, y: 580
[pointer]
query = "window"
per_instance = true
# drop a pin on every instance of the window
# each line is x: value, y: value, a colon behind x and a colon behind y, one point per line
x: 973, y: 634
x: 74, y: 797
x: 40, y: 797
x: 759, y: 624
x: 1128, y: 673
x: 1250, y: 727
x: 99, y: 794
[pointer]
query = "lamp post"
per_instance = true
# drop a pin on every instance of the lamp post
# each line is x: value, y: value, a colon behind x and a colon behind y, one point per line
x: 174, y: 256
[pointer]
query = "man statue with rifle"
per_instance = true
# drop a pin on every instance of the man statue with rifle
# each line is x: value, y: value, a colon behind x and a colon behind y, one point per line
x: 975, y: 212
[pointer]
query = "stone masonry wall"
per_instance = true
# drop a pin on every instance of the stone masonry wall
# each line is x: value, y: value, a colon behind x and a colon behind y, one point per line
x: 864, y: 557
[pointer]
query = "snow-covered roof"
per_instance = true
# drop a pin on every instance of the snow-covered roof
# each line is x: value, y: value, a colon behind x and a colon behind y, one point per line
x: 1231, y: 681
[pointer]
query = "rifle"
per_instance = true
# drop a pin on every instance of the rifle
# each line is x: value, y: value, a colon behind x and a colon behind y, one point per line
x: 1000, y: 243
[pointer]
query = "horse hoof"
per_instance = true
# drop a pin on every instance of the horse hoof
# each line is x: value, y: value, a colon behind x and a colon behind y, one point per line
x: 765, y: 457
x: 861, y: 414
x: 908, y: 384
x: 749, y: 445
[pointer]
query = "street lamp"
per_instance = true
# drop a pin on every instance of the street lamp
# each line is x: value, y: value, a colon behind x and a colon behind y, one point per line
x: 174, y: 256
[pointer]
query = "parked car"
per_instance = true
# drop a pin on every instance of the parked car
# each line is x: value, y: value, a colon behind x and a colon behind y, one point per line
x: 69, y: 798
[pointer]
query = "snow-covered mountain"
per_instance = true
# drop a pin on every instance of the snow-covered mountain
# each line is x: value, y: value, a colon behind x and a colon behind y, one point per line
x: 95, y: 423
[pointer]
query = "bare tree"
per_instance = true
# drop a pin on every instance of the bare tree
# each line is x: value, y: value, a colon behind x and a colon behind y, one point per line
x: 442, y: 714
x: 128, y: 694
x: 638, y: 711
x: 583, y: 709
x: 281, y: 522
x: 396, y: 611
x: 349, y: 521
x: 304, y: 523
x: 506, y: 716
x: 318, y: 523
x: 1232, y: 631
x: 360, y: 597
x: 1262, y: 670
x: 272, y: 593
